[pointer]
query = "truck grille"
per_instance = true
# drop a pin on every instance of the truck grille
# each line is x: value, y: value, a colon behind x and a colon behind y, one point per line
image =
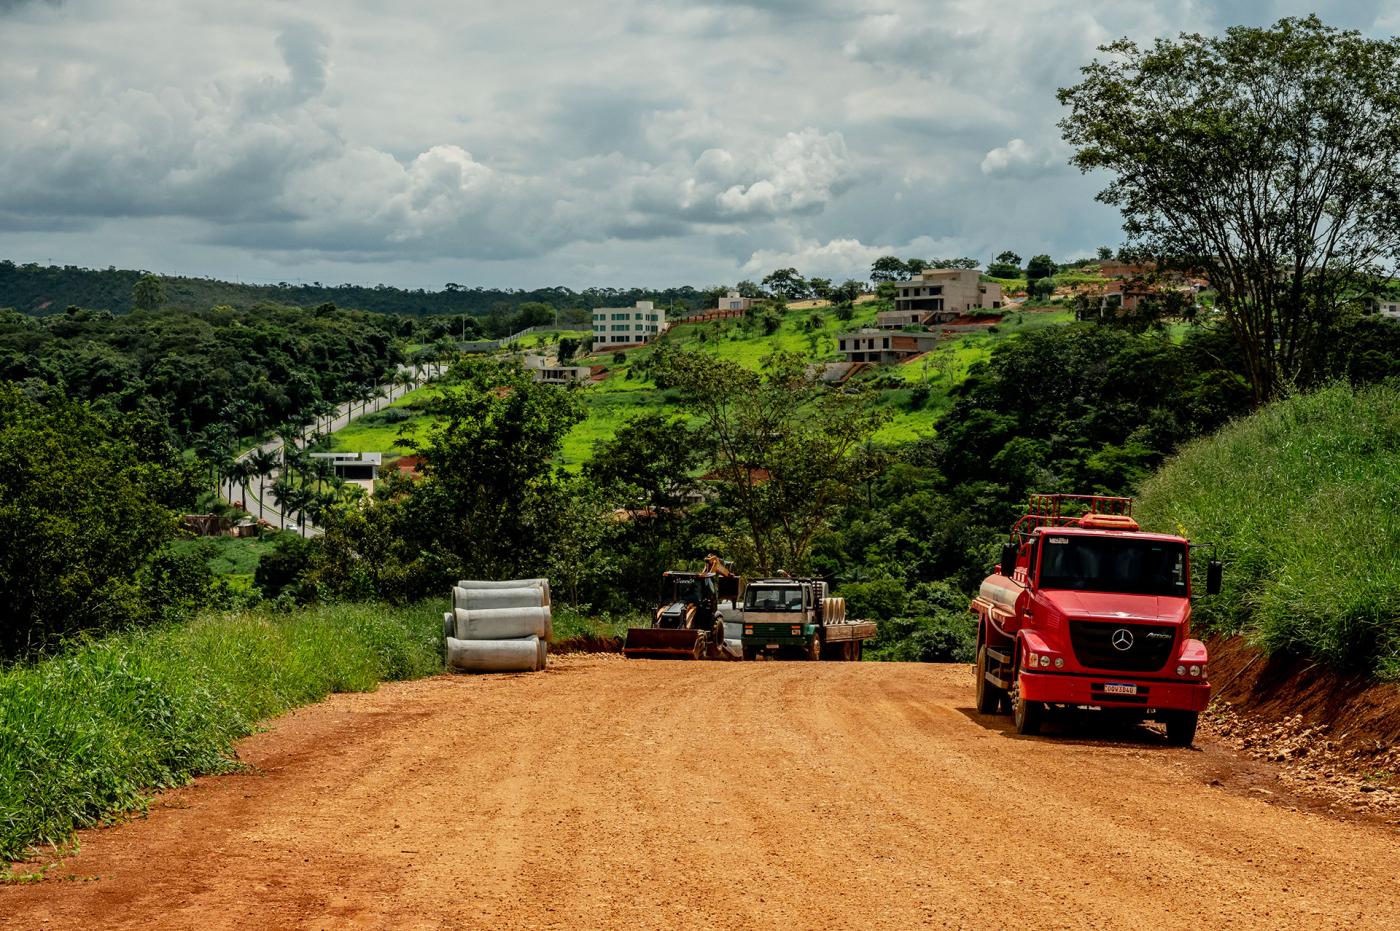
x: 1093, y: 643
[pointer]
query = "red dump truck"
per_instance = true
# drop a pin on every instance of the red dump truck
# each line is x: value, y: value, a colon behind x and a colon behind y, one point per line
x: 1087, y: 612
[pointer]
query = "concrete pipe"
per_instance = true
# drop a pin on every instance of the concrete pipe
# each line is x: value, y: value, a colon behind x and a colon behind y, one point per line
x: 502, y: 623
x: 542, y: 658
x: 507, y: 583
x: 476, y: 599
x: 449, y: 625
x: 493, y: 655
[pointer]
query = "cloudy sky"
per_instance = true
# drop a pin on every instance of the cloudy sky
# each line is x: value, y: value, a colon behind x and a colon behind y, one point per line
x: 535, y: 143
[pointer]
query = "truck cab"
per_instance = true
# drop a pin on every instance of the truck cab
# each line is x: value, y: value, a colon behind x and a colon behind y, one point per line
x: 1086, y: 611
x: 796, y: 617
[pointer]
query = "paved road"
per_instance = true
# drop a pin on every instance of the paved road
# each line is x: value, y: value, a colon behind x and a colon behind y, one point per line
x: 607, y: 793
x: 262, y: 505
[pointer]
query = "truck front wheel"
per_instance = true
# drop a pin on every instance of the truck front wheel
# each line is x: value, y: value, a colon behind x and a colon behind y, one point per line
x: 1027, y: 715
x: 750, y: 653
x: 1181, y: 728
x: 814, y: 649
x: 989, y: 697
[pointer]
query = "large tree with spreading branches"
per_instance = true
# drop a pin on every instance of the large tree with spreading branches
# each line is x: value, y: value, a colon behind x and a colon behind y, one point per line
x: 1266, y: 158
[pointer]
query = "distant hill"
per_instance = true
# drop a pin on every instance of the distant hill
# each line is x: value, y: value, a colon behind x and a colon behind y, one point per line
x: 42, y: 290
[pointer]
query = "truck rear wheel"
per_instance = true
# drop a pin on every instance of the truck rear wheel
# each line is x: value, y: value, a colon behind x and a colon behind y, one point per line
x: 989, y: 697
x: 750, y: 653
x: 1181, y: 728
x: 1027, y: 715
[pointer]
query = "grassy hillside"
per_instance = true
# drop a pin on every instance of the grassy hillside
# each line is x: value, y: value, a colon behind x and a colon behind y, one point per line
x: 917, y: 392
x: 1303, y: 501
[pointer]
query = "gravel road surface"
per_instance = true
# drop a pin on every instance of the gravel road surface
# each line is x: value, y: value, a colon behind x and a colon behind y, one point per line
x: 608, y: 793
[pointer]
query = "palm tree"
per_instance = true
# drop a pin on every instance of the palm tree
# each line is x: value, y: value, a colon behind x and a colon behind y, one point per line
x: 404, y: 380
x: 262, y: 462
x: 283, y: 492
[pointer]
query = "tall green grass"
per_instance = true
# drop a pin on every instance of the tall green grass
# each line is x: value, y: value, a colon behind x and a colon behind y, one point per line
x: 1303, y: 500
x: 92, y: 732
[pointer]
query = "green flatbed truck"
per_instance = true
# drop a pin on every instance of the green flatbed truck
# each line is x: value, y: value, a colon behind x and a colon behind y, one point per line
x: 797, y: 618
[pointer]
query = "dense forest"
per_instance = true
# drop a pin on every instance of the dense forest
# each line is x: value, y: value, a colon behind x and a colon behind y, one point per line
x: 50, y: 289
x: 239, y: 372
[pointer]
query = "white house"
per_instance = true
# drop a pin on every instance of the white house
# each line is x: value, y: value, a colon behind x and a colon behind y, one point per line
x: 614, y: 327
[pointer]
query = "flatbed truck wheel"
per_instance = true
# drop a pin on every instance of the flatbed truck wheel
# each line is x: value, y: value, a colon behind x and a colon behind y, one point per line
x: 989, y: 697
x: 1181, y: 728
x: 860, y: 650
x: 1027, y: 715
x: 814, y: 649
x: 750, y: 653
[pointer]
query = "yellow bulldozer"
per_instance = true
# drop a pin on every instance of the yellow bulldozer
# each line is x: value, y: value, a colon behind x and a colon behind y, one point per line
x: 688, y: 622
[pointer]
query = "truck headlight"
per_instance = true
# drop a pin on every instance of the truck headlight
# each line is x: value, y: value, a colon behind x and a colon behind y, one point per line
x: 1059, y: 662
x: 748, y: 630
x: 1032, y: 660
x: 1181, y: 670
x: 1196, y: 671
x: 1044, y: 660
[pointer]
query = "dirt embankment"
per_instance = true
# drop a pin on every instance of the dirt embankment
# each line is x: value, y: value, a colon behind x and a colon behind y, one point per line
x: 607, y: 793
x: 1332, y: 737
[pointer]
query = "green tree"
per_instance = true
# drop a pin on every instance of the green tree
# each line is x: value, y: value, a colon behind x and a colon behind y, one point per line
x: 889, y: 268
x: 820, y: 287
x: 1269, y: 158
x: 1040, y: 266
x: 784, y: 446
x: 787, y: 284
x: 148, y: 293
x: 86, y: 503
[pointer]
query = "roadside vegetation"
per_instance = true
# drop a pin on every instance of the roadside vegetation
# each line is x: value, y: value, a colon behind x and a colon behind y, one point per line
x: 92, y: 732
x: 1302, y: 502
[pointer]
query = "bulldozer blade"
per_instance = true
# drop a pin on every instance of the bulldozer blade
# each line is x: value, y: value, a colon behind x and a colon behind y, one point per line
x: 664, y: 642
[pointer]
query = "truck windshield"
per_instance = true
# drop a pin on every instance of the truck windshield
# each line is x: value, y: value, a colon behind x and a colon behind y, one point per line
x: 773, y: 599
x: 1114, y: 564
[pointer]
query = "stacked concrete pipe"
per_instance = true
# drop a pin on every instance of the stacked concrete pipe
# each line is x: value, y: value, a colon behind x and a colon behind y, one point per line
x: 500, y: 626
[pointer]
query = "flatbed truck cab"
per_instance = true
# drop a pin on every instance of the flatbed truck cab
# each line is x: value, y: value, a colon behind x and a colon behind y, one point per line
x: 1088, y: 612
x: 796, y: 617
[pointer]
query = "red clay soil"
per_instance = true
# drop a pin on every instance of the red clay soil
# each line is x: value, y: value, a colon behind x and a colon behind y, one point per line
x: 611, y: 793
x: 1359, y: 713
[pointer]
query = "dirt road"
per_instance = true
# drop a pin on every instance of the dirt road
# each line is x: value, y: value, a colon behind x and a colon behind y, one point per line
x: 629, y: 794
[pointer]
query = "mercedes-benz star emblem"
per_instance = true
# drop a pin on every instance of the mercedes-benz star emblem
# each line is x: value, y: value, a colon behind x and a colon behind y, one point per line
x: 1123, y: 639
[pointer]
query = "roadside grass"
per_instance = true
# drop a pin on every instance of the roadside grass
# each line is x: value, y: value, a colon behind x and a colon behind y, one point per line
x: 575, y: 628
x: 1302, y: 500
x: 90, y: 734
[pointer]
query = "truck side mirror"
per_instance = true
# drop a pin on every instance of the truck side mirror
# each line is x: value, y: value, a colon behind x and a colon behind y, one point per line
x: 1215, y: 572
x: 1008, y: 559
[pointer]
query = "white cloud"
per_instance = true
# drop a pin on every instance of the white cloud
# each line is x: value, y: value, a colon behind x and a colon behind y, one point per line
x: 649, y: 142
x: 1017, y: 159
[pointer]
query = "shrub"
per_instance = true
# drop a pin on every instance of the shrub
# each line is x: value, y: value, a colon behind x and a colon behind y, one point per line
x: 946, y: 637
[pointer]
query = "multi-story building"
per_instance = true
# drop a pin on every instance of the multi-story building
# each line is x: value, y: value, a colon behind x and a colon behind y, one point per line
x: 938, y: 295
x: 614, y: 327
x: 1389, y: 308
x: 871, y: 345
x: 734, y: 301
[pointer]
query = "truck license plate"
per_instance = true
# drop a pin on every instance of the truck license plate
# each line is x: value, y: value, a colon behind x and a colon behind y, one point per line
x: 1119, y: 688
x: 771, y: 646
